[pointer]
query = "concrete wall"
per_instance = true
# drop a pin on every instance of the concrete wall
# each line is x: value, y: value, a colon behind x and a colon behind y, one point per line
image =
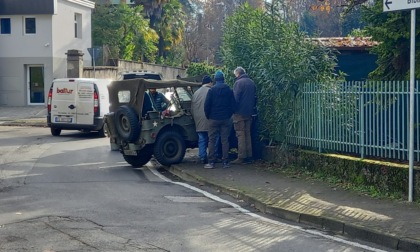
x: 167, y: 71
x: 14, y: 79
x: 102, y: 72
x: 54, y: 36
x: 63, y: 30
x: 18, y: 44
x: 19, y: 50
x: 112, y: 72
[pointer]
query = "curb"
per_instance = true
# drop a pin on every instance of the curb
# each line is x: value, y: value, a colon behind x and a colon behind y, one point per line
x: 334, y: 226
x: 34, y: 122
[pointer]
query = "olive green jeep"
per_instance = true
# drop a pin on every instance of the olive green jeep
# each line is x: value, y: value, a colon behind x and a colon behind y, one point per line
x: 139, y: 134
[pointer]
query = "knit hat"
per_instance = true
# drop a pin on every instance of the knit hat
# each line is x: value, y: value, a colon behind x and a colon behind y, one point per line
x: 219, y: 76
x: 206, y: 79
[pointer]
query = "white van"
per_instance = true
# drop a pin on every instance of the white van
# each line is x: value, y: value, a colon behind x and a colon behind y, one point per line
x: 78, y: 104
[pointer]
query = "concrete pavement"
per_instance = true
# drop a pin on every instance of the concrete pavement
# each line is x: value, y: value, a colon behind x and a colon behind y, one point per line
x: 393, y: 224
x: 25, y: 116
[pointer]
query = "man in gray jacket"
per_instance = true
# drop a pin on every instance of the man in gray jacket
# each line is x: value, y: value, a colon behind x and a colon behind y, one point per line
x: 201, y: 122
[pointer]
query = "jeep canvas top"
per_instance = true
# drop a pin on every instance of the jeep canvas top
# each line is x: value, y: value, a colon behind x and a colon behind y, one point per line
x: 141, y: 134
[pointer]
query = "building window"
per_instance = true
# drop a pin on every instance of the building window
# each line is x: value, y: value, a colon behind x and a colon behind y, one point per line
x: 77, y: 25
x: 30, y: 26
x: 5, y: 27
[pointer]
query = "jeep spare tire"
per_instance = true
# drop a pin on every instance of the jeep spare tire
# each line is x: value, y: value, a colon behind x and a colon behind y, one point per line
x: 169, y: 148
x: 127, y: 123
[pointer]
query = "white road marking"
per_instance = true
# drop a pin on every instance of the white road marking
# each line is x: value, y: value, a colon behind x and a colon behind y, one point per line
x: 87, y: 164
x: 239, y: 208
x: 181, y: 199
x: 113, y: 166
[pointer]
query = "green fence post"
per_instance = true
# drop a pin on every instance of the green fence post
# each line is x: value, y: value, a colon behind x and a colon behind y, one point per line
x: 319, y: 123
x: 362, y: 122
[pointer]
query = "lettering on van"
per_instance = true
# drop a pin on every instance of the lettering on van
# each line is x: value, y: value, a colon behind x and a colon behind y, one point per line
x: 64, y: 91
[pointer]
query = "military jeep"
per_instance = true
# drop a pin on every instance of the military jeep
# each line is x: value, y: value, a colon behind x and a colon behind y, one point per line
x: 140, y: 134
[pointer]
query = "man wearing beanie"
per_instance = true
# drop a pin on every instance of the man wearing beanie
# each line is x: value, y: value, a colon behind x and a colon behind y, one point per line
x: 201, y: 122
x: 218, y: 108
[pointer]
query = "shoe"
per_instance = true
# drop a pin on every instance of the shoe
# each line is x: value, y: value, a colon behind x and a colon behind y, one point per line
x: 248, y: 160
x: 226, y: 165
x: 241, y: 161
x: 209, y: 166
x: 238, y: 161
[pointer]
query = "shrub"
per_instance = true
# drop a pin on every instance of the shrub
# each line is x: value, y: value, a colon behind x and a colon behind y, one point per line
x: 279, y: 58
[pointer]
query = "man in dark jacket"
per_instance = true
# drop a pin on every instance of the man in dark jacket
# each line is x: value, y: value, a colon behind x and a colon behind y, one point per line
x: 218, y: 108
x: 244, y: 91
x: 159, y: 100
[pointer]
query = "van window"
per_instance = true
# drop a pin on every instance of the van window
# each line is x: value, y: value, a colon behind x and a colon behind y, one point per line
x: 147, y: 76
x: 124, y: 96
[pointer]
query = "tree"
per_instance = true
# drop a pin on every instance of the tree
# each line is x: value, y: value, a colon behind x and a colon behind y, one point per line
x: 352, y: 20
x: 170, y: 27
x: 279, y: 57
x: 167, y: 18
x: 392, y: 30
x: 152, y: 8
x: 126, y: 33
x: 193, y: 40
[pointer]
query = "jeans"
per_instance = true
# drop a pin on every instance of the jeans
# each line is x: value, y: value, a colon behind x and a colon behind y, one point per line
x: 203, y: 141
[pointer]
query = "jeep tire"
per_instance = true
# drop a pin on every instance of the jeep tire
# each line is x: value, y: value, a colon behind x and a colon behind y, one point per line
x: 143, y: 156
x: 169, y: 148
x: 127, y: 123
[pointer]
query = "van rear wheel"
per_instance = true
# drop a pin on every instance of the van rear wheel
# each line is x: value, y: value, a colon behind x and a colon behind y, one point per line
x: 55, y: 131
x: 101, y: 132
x: 143, y: 156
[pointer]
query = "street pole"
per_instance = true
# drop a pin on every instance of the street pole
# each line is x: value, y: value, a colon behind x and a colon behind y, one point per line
x: 412, y: 77
x: 93, y: 58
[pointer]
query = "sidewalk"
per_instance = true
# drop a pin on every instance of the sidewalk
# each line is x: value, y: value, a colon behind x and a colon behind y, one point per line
x: 25, y: 116
x: 392, y: 224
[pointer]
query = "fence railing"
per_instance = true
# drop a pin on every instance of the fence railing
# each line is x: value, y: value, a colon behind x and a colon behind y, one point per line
x: 362, y: 118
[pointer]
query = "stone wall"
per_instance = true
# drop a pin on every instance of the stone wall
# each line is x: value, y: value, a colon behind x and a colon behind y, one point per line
x: 102, y: 72
x: 118, y: 66
x: 376, y: 176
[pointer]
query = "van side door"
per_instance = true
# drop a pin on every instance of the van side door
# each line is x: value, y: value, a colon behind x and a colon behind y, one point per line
x: 85, y: 102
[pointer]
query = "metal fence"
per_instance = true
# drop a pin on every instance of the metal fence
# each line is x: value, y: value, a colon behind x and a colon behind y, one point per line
x: 368, y: 119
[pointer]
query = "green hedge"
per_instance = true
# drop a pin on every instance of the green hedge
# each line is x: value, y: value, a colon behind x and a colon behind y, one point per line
x: 279, y: 58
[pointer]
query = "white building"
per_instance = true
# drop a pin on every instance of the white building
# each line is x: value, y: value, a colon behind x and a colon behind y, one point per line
x: 34, y: 38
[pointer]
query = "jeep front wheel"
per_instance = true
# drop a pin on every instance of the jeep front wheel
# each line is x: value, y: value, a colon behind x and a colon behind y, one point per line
x: 143, y: 156
x: 169, y: 148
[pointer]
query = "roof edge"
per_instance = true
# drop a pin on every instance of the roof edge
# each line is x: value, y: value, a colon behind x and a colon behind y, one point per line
x: 85, y: 3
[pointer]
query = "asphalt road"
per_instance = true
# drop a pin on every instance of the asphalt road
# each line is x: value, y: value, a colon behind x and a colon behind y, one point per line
x: 71, y: 193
